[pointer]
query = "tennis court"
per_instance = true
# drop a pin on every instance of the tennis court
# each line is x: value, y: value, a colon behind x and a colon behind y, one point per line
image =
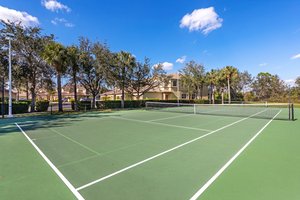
x: 164, y: 152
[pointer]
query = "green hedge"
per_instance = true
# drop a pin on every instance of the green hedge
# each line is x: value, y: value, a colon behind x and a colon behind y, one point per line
x: 82, y: 105
x: 133, y: 103
x: 17, y: 108
x: 42, y: 106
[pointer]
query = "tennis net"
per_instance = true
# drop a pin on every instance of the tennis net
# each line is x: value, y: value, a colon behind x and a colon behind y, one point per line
x: 264, y: 110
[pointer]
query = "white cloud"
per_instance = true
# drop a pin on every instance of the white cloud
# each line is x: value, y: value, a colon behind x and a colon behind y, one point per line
x: 295, y: 56
x: 181, y: 59
x: 63, y: 21
x: 166, y: 65
x: 204, y: 20
x: 55, y: 6
x: 263, y: 64
x: 290, y: 82
x: 10, y: 15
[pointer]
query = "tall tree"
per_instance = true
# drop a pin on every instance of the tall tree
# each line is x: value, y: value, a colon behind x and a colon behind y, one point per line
x: 231, y: 74
x: 197, y: 72
x: 3, y: 76
x: 27, y: 47
x: 245, y: 81
x: 212, y: 80
x: 93, y: 66
x: 221, y: 82
x: 121, y: 71
x: 55, y: 55
x: 297, y: 82
x: 73, y: 69
x: 187, y: 80
x: 267, y: 86
x: 144, y: 77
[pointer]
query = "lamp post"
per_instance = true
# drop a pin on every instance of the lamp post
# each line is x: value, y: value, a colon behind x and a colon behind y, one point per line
x: 9, y: 37
x: 178, y: 92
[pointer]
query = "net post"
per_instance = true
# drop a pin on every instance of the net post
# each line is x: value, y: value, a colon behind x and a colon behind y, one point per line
x: 194, y: 108
x: 293, y: 117
x: 289, y: 111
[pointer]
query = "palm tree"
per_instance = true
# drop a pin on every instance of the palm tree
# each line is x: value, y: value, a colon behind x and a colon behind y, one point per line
x: 231, y: 74
x: 222, y: 82
x: 55, y: 55
x: 212, y: 79
x: 73, y: 62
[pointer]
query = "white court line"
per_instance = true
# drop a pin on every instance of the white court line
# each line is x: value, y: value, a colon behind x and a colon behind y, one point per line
x: 173, y: 117
x: 214, y: 177
x: 162, y: 153
x: 59, y: 174
x: 74, y: 141
x: 158, y: 123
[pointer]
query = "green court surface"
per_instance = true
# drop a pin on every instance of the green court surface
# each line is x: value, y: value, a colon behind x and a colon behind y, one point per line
x: 139, y: 154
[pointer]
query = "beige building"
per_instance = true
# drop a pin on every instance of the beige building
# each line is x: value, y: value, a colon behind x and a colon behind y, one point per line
x: 166, y: 91
x: 67, y: 93
x: 6, y: 93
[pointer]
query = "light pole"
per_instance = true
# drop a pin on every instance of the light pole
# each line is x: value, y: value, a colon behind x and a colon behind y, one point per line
x: 9, y: 37
x: 178, y: 92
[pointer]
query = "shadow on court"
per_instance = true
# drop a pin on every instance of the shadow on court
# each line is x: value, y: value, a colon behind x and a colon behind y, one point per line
x: 8, y: 126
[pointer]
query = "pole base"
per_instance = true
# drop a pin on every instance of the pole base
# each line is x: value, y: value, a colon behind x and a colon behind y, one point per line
x: 10, y: 116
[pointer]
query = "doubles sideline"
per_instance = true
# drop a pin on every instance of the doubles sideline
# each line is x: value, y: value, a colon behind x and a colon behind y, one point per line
x: 59, y: 174
x: 216, y: 175
x: 162, y: 153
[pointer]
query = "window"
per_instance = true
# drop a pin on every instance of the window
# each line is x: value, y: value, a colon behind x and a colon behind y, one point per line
x: 174, y: 83
x: 183, y: 96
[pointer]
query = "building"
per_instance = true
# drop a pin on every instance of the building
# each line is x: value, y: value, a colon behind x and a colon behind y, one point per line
x: 67, y: 93
x: 6, y: 93
x: 172, y: 89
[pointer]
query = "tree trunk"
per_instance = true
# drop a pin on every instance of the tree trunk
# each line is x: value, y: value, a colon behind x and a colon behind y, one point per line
x: 123, y: 96
x: 213, y: 94
x: 229, y: 95
x: 3, y: 101
x: 94, y: 101
x: 75, y: 92
x: 60, y: 106
x: 123, y: 88
x: 27, y: 92
x: 222, y: 94
x: 33, y: 98
x: 198, y: 92
x: 18, y: 94
x: 201, y: 92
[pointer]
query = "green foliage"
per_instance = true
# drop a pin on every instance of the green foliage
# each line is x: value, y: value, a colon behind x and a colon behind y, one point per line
x: 269, y: 87
x: 82, y: 105
x: 42, y: 106
x: 17, y: 108
x: 134, y: 103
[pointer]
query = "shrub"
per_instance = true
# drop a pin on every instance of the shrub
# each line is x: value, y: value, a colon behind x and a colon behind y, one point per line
x: 82, y: 105
x: 42, y: 106
x: 17, y: 108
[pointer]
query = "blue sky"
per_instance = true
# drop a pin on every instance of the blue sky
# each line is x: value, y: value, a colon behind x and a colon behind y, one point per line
x: 253, y: 35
